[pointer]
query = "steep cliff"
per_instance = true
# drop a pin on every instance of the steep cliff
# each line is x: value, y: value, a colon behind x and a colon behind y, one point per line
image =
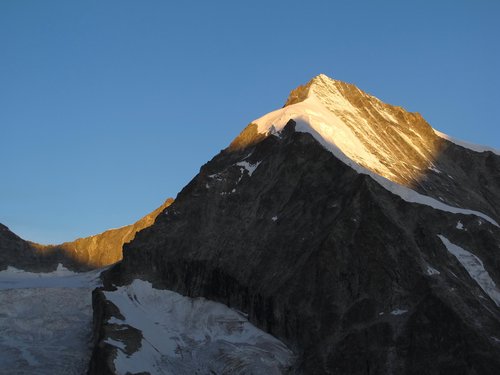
x: 366, y: 249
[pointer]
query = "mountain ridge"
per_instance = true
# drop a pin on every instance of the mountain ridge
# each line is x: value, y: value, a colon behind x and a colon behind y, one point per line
x: 353, y: 274
x: 99, y: 250
x: 383, y: 139
x: 105, y: 248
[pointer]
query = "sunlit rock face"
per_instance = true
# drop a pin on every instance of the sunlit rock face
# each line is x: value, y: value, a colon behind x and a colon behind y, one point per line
x: 106, y: 248
x: 385, y: 139
x: 312, y: 224
x: 82, y: 254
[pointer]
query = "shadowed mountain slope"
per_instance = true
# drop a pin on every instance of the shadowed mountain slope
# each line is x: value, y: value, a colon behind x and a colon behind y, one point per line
x: 366, y: 249
x: 16, y: 252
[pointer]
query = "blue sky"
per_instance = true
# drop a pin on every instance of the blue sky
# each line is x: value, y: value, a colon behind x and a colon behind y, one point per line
x: 109, y: 107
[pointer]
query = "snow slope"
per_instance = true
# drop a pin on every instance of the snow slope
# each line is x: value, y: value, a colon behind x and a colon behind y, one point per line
x: 475, y: 268
x: 183, y: 335
x: 45, y: 321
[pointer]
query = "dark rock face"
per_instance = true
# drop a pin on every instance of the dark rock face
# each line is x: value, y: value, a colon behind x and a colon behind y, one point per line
x: 16, y: 252
x: 102, y: 357
x: 328, y: 260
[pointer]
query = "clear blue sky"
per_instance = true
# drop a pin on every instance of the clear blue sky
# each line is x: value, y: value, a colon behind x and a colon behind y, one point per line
x: 109, y: 107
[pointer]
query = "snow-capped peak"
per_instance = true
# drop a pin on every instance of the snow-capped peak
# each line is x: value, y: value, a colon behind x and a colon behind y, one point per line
x: 382, y: 138
x: 395, y: 147
x: 385, y: 139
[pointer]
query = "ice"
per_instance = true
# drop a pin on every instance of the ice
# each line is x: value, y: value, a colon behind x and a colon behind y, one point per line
x: 45, y: 321
x: 13, y: 278
x: 182, y: 335
x: 475, y: 268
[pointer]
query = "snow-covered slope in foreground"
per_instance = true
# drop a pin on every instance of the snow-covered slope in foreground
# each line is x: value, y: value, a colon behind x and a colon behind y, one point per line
x: 45, y: 321
x: 182, y: 335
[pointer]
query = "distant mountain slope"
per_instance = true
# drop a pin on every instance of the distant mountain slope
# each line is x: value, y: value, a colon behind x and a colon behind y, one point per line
x: 106, y: 248
x: 345, y: 227
x: 84, y: 253
x: 14, y: 251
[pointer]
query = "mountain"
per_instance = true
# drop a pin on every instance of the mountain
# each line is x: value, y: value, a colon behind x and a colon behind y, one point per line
x: 84, y: 253
x: 16, y: 252
x: 350, y: 229
x: 106, y: 248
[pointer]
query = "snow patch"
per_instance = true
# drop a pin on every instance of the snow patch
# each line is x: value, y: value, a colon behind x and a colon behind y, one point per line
x: 274, y: 218
x: 398, y: 312
x: 250, y: 168
x: 475, y: 268
x: 432, y: 271
x: 115, y: 343
x: 434, y: 169
x: 183, y: 335
x: 460, y: 226
x: 215, y: 176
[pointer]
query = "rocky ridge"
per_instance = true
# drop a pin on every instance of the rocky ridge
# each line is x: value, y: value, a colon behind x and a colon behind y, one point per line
x: 82, y: 254
x: 106, y: 248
